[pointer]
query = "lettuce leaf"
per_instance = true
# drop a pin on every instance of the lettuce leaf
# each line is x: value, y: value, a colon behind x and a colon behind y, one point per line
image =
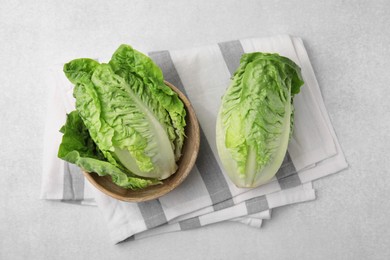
x: 77, y: 147
x: 146, y: 80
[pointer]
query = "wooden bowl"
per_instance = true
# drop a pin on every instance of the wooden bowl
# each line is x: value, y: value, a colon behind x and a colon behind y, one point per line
x: 189, y: 153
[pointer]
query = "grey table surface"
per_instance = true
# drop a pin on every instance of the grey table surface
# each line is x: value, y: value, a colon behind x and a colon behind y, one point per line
x: 349, y: 46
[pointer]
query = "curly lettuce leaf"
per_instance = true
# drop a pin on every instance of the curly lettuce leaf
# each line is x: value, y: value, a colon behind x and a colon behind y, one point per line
x: 145, y: 79
x: 77, y: 147
x: 123, y: 127
x: 255, y: 118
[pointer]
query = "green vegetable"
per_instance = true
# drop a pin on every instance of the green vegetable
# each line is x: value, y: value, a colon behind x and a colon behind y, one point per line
x: 77, y: 147
x: 255, y: 119
x: 136, y: 121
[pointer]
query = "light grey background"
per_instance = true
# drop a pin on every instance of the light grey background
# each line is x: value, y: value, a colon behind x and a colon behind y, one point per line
x: 349, y: 46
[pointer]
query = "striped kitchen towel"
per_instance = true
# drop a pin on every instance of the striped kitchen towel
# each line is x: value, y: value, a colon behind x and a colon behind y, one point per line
x: 207, y: 195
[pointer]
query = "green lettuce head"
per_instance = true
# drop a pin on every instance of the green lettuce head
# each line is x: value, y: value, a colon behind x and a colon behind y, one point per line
x: 134, y: 120
x: 255, y: 119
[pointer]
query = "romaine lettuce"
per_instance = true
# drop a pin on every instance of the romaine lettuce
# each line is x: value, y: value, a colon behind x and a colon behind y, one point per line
x: 135, y: 120
x: 255, y: 119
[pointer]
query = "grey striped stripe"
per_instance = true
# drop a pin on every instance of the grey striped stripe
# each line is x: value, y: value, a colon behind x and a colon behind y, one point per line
x: 164, y: 61
x: 287, y: 175
x: 232, y: 51
x: 206, y: 163
x: 212, y: 176
x: 257, y: 204
x: 67, y: 191
x: 224, y: 204
x: 190, y: 223
x: 73, y: 187
x: 287, y: 168
x: 290, y: 181
x: 152, y: 213
x: 286, y: 160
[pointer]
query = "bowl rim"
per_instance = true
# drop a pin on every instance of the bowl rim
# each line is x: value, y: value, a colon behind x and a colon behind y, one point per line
x: 195, y: 127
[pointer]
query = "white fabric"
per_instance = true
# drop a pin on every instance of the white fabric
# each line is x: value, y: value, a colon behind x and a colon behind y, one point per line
x: 314, y: 149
